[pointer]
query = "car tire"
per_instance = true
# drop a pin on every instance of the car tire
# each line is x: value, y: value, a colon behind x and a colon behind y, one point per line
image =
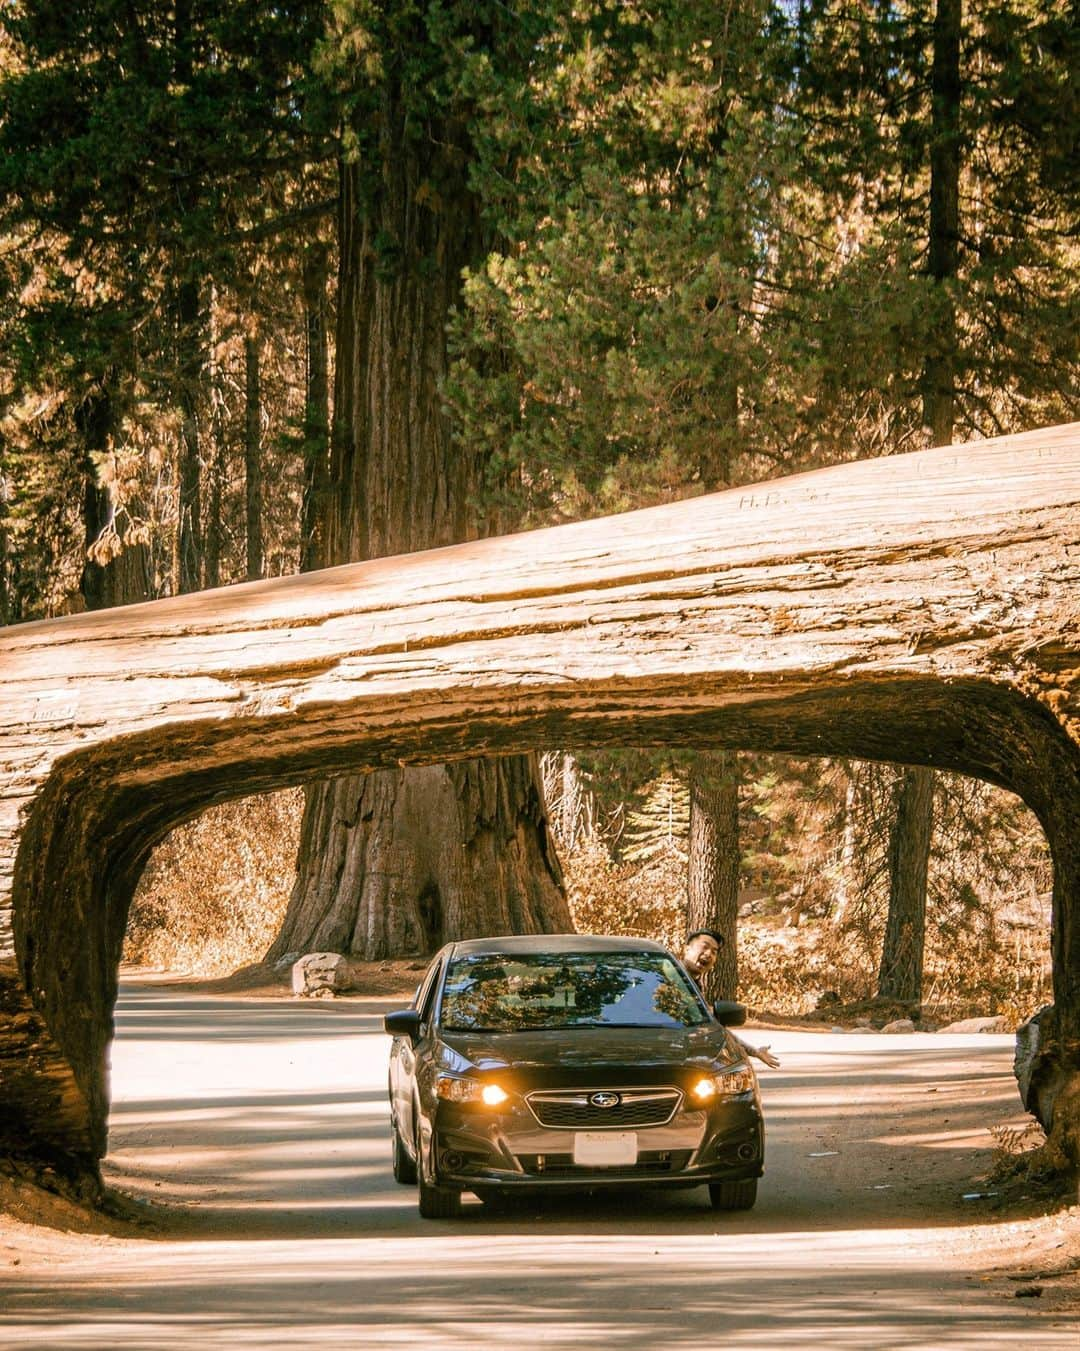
x: 404, y: 1166
x: 438, y: 1203
x: 733, y: 1195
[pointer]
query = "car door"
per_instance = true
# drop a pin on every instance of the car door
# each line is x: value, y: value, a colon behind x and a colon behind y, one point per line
x: 403, y: 1053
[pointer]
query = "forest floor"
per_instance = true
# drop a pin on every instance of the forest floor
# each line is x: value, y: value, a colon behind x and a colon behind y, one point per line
x: 248, y: 1154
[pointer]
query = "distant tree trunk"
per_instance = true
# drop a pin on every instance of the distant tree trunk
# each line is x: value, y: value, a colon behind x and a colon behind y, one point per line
x: 316, y: 408
x: 712, y: 875
x: 901, y: 970
x: 190, y: 355
x: 189, y: 374
x: 900, y: 976
x: 712, y: 897
x: 253, y: 483
x: 570, y: 802
x: 845, y: 883
x: 215, y: 484
x: 114, y: 572
x: 8, y: 606
x: 93, y: 421
x: 939, y: 367
x: 402, y: 861
x: 215, y: 470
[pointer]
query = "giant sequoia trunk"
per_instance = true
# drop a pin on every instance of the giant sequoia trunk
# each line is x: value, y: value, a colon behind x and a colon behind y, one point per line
x: 455, y: 851
x: 712, y: 879
x: 407, y: 859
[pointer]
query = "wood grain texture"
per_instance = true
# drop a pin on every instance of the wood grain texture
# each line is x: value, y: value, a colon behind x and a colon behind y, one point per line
x: 923, y: 608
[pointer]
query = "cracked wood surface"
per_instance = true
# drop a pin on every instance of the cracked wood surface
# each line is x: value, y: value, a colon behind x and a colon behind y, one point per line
x: 923, y: 608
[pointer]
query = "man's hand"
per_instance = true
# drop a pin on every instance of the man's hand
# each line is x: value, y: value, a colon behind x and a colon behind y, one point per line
x: 764, y: 1054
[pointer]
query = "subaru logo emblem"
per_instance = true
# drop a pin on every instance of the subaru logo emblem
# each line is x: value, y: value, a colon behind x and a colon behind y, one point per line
x: 605, y: 1099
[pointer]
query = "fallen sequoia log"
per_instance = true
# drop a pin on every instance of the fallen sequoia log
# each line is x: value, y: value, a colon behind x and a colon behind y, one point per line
x: 921, y: 608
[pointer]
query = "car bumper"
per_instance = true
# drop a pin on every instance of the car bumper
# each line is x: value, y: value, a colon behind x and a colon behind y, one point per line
x: 472, y: 1148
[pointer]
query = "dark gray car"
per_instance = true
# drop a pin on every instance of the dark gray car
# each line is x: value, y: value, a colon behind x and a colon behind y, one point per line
x: 561, y: 1061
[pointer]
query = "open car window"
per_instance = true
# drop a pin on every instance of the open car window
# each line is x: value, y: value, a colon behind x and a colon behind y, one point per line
x: 425, y: 993
x: 548, y: 991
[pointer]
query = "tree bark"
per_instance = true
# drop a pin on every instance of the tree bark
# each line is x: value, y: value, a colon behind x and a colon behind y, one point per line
x: 412, y: 892
x: 712, y: 878
x: 900, y: 976
x: 389, y: 863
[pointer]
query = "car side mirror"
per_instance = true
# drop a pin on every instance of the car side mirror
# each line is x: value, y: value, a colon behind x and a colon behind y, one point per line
x: 403, y: 1023
x: 728, y: 1012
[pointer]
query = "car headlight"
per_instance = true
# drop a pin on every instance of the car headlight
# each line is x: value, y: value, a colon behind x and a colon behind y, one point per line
x: 726, y: 1084
x: 452, y: 1089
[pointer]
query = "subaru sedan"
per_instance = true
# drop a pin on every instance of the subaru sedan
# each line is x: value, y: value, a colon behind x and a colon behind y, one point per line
x: 562, y: 1062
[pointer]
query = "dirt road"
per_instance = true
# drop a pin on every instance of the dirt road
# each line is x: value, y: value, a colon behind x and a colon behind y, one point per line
x: 256, y: 1131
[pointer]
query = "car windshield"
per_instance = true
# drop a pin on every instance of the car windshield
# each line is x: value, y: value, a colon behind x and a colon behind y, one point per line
x: 499, y: 992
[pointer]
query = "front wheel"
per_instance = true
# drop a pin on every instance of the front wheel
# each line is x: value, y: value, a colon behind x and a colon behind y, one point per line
x: 438, y: 1203
x: 404, y: 1166
x: 733, y: 1195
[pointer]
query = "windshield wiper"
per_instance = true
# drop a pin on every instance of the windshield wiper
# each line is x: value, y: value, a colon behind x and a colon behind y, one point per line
x: 568, y: 1027
x: 658, y: 1027
x: 614, y: 1026
x: 522, y: 1027
x: 469, y: 1027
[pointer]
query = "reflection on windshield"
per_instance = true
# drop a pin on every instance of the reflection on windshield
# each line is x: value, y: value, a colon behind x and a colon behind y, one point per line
x: 502, y: 993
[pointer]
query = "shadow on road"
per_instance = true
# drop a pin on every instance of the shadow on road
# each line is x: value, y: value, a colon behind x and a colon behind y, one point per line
x: 580, y: 1298
x: 267, y: 1119
x: 254, y: 1137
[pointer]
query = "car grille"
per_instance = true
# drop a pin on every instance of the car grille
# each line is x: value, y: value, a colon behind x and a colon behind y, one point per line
x: 563, y: 1165
x: 577, y: 1110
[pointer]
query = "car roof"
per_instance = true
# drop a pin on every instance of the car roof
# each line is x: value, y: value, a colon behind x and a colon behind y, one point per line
x: 531, y: 944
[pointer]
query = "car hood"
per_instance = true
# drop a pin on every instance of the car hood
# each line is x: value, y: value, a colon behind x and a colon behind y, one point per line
x: 581, y: 1053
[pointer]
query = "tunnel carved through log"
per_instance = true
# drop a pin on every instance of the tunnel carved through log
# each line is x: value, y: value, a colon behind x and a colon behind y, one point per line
x: 921, y: 609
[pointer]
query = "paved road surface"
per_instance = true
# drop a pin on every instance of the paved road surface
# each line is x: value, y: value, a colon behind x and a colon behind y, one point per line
x: 259, y: 1129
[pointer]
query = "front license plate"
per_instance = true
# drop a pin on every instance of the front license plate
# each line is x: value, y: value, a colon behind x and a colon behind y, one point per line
x: 605, y: 1149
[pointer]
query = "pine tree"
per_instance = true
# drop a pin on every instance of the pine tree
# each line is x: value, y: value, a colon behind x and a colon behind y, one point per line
x: 143, y: 162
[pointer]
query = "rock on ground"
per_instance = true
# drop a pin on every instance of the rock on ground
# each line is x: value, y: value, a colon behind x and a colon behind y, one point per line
x: 318, y: 973
x: 995, y: 1024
